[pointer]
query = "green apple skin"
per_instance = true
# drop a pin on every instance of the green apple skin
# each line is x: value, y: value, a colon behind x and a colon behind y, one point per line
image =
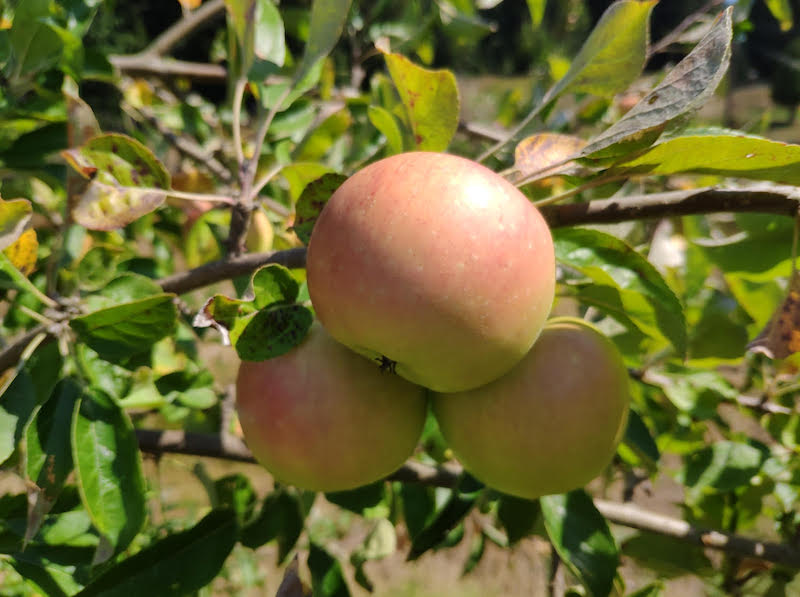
x: 436, y: 263
x: 323, y: 418
x: 552, y: 423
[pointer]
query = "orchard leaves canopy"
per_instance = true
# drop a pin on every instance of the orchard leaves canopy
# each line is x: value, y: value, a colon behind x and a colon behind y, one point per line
x: 88, y: 250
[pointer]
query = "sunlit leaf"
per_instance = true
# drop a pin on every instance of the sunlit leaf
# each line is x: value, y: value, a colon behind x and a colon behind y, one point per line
x: 738, y: 155
x: 684, y: 88
x: 431, y: 102
x: 536, y: 8
x: 622, y: 283
x: 14, y: 216
x: 781, y: 336
x: 221, y: 313
x: 273, y: 284
x: 386, y: 123
x: 127, y: 181
x: 782, y: 11
x: 109, y: 469
x: 269, y: 36
x: 128, y: 328
x: 724, y: 466
x: 544, y: 154
x: 613, y: 55
x: 23, y: 252
x: 581, y: 537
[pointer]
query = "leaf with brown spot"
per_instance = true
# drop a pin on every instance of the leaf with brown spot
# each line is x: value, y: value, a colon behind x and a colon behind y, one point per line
x: 311, y: 201
x: 431, y: 102
x: 544, y: 154
x: 23, y: 252
x: 780, y: 338
x: 127, y: 181
x: 271, y: 332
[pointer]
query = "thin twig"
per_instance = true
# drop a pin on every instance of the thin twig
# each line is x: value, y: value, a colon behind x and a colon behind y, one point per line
x: 147, y: 64
x: 630, y: 515
x: 183, y: 28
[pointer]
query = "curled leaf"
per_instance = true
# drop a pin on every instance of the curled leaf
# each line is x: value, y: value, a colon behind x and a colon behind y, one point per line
x: 14, y: 216
x: 544, y: 154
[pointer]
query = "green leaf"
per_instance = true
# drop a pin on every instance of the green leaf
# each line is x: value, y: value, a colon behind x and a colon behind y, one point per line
x: 271, y: 332
x: 613, y: 55
x: 327, y: 21
x: 652, y: 590
x: 274, y: 284
x: 581, y: 537
x: 697, y: 393
x: 782, y: 11
x: 127, y: 181
x: 269, y: 41
x: 35, y: 45
x: 361, y: 499
x: 668, y: 557
x: 476, y: 550
x: 387, y: 124
x: 518, y: 516
x: 48, y: 455
x: 235, y: 492
x: 685, y: 88
x: 735, y: 154
x: 119, y: 332
x: 221, y: 313
x: 431, y: 102
x: 461, y: 501
x: 22, y: 394
x: 108, y: 467
x: 639, y: 438
x: 324, y: 137
x: 52, y: 579
x: 536, y: 8
x: 14, y: 216
x: 177, y: 565
x: 623, y: 284
x: 313, y: 198
x: 380, y: 542
x: 281, y: 517
x: 724, y: 466
x: 327, y: 578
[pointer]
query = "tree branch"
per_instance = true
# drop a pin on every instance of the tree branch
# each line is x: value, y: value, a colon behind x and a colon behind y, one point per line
x: 224, y: 269
x: 777, y: 200
x: 629, y: 515
x: 178, y: 32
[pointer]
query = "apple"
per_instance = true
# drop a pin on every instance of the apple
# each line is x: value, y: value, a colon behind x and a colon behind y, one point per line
x: 552, y: 423
x: 435, y: 263
x: 323, y: 418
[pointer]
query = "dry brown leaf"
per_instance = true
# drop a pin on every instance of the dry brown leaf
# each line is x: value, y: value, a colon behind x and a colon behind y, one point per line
x: 544, y: 154
x: 780, y: 338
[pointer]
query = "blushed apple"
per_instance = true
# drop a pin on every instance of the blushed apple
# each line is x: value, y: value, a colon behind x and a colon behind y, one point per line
x: 323, y: 418
x: 552, y: 423
x: 436, y: 263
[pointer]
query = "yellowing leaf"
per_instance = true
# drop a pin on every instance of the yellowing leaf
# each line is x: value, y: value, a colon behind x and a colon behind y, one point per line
x: 14, y: 216
x: 780, y: 338
x: 544, y: 154
x: 431, y: 102
x: 190, y: 4
x: 23, y: 252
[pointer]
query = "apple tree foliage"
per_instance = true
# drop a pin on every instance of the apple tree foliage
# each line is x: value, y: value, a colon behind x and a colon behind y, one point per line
x: 675, y: 237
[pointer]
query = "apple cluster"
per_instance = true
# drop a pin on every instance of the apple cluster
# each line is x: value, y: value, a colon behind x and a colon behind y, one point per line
x: 442, y: 274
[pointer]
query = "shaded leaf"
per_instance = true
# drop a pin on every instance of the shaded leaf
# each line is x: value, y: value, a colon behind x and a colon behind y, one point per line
x: 684, y: 88
x: 431, y: 102
x: 119, y: 332
x: 639, y: 438
x: 127, y: 181
x: 313, y: 198
x: 108, y: 467
x: 327, y: 21
x: 360, y: 499
x: 14, y: 216
x: 581, y: 537
x: 327, y: 578
x: 460, y: 502
x: 518, y: 516
x: 623, y: 283
x: 613, y: 55
x: 292, y: 585
x: 270, y: 332
x: 782, y: 11
x: 544, y: 154
x: 48, y: 455
x: 23, y: 252
x: 235, y: 492
x: 281, y: 517
x: 380, y: 542
x: 667, y: 556
x: 781, y: 336
x: 174, y: 566
x: 53, y: 580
